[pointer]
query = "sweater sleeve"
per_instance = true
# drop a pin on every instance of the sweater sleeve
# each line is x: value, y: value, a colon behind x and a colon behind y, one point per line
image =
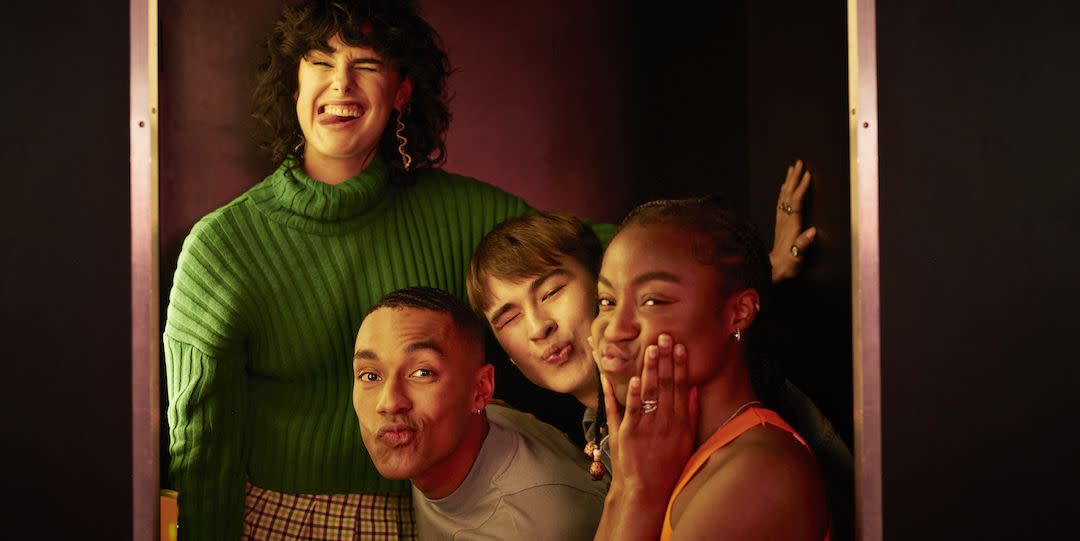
x: 205, y: 354
x: 206, y: 426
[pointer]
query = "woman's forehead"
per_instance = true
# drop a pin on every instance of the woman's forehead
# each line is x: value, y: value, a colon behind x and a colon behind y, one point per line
x: 336, y: 44
x: 659, y: 250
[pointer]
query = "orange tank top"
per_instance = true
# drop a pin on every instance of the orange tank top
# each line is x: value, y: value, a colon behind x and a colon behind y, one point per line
x: 728, y: 433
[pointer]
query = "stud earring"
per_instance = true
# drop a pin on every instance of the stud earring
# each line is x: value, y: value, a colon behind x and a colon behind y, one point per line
x: 737, y: 335
x: 406, y: 160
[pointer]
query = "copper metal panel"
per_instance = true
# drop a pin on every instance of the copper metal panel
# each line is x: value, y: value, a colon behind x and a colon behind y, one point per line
x: 862, y: 73
x: 145, y: 333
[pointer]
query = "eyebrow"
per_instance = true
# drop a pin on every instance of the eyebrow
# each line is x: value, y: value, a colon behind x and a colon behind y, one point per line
x: 539, y: 280
x: 533, y: 286
x: 425, y: 345
x: 647, y: 277
x: 360, y: 60
x: 365, y: 355
x: 367, y: 60
x: 430, y: 345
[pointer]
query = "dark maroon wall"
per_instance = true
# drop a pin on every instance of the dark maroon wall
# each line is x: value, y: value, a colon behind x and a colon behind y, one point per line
x: 208, y: 156
x: 539, y: 102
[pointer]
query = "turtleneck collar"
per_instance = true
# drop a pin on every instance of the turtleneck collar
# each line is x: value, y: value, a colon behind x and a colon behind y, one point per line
x: 299, y: 201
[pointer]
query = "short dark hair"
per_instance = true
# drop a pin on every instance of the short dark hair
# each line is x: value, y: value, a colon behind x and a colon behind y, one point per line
x: 528, y: 246
x: 722, y: 240
x: 393, y: 28
x: 437, y: 300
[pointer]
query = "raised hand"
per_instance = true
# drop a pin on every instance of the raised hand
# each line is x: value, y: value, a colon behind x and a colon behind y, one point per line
x: 789, y: 239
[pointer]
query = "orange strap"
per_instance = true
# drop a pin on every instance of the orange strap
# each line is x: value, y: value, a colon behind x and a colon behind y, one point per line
x: 728, y: 433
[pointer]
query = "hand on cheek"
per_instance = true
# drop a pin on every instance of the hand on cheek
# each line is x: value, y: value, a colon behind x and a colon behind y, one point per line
x: 654, y: 437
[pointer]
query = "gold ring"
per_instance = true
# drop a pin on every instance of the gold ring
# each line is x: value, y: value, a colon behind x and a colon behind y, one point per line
x: 787, y: 209
x: 794, y: 250
x: 648, y: 406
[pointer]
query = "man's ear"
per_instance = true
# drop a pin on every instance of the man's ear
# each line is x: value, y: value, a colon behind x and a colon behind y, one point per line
x: 745, y: 306
x: 484, y: 386
x: 404, y: 92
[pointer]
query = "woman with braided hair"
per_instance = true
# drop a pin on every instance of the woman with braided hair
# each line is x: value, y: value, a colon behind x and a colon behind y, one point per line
x: 690, y: 269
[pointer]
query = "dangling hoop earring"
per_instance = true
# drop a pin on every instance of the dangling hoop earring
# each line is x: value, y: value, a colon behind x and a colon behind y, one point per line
x: 406, y: 160
x: 296, y: 149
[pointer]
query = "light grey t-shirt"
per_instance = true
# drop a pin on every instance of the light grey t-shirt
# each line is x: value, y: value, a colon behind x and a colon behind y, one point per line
x: 528, y: 482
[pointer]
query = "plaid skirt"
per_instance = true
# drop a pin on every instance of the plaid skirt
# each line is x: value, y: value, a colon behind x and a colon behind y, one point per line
x: 275, y: 515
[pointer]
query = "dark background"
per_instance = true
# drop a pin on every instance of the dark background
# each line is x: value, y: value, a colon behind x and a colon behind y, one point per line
x: 65, y: 271
x: 977, y: 109
x: 978, y: 117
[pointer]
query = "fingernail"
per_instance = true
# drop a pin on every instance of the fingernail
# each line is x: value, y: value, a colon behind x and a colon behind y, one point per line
x: 664, y: 341
x: 652, y: 352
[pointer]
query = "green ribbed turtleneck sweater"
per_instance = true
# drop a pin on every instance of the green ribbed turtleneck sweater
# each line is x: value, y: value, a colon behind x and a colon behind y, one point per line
x: 268, y: 295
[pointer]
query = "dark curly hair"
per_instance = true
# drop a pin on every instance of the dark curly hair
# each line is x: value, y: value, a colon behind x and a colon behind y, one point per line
x: 395, y: 30
x: 732, y: 246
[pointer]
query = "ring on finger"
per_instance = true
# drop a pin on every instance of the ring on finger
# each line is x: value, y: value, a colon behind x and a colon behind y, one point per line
x: 648, y: 406
x: 795, y: 250
x: 787, y: 208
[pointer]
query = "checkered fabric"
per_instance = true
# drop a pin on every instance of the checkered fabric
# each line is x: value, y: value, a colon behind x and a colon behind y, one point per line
x: 272, y: 515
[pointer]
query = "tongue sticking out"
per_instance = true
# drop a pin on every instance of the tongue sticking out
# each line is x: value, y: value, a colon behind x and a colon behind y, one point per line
x: 339, y: 113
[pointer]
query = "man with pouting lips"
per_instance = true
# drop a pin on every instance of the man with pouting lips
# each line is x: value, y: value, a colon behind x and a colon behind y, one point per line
x: 479, y: 471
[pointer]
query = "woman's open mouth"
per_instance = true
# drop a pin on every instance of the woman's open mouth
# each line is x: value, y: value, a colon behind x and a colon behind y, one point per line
x: 334, y: 114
